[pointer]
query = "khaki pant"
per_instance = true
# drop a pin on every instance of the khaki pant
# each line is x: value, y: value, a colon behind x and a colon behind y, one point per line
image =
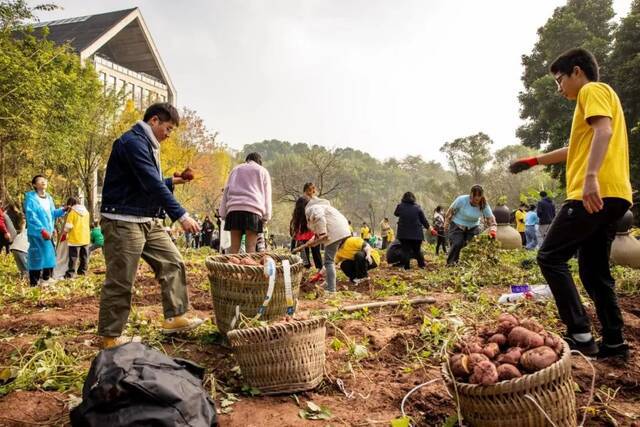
x: 124, y: 244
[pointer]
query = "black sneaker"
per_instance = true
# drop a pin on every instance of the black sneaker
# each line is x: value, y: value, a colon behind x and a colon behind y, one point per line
x: 616, y: 350
x: 588, y: 348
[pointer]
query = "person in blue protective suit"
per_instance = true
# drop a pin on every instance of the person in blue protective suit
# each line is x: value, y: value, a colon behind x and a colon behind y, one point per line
x: 40, y: 214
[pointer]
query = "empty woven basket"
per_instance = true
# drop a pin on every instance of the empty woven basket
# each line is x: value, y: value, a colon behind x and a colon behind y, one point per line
x: 281, y: 358
x: 246, y: 286
x: 504, y: 404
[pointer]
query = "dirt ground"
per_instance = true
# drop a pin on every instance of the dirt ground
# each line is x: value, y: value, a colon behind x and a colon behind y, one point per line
x: 367, y: 392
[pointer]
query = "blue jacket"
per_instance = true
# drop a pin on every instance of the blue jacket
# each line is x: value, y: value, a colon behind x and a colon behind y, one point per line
x: 133, y: 184
x: 42, y: 253
x: 411, y: 219
x: 546, y: 211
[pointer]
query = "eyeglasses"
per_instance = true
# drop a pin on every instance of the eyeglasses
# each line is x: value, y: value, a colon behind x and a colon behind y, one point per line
x: 559, y: 79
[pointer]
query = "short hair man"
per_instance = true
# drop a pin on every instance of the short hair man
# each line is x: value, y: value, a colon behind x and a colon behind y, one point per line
x: 309, y: 190
x: 598, y: 194
x: 135, y: 198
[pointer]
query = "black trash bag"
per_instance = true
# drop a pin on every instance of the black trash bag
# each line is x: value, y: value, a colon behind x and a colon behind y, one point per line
x: 134, y: 385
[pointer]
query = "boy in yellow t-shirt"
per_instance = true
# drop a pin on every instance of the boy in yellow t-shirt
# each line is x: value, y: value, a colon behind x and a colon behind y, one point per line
x: 520, y: 214
x: 356, y: 257
x: 598, y: 194
x: 365, y: 231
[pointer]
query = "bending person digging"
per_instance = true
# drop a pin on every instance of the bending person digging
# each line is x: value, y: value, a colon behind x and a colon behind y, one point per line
x: 135, y: 198
x: 598, y: 194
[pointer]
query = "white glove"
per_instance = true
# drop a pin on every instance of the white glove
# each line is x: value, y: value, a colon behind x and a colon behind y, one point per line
x: 369, y: 259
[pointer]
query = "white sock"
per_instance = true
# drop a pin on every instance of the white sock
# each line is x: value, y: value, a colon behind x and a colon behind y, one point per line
x: 586, y: 337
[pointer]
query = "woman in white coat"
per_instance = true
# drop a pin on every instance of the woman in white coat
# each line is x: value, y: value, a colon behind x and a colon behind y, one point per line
x: 331, y: 228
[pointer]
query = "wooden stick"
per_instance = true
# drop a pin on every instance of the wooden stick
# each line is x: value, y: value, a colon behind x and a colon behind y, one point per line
x: 356, y: 307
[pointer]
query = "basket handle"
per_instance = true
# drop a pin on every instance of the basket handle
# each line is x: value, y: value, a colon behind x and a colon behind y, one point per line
x: 270, y: 270
x: 286, y: 271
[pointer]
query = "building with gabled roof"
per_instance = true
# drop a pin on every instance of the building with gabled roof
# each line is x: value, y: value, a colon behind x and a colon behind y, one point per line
x: 122, y: 50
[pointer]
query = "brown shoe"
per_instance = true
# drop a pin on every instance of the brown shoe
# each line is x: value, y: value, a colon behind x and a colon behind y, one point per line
x: 180, y: 323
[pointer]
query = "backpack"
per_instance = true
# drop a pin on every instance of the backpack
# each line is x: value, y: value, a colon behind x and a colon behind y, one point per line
x: 134, y: 385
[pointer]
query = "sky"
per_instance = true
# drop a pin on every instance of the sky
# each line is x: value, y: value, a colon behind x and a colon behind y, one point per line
x: 388, y: 77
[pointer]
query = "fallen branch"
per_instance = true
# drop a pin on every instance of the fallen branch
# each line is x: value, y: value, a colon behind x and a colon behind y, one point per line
x: 356, y: 307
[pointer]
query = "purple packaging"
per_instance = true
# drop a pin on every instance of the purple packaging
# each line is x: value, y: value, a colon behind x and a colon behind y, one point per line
x: 519, y: 288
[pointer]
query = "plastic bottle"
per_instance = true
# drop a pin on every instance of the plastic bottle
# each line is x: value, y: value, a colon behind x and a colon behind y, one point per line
x: 538, y: 292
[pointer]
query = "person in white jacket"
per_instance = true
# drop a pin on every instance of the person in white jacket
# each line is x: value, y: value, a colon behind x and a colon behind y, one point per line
x: 331, y: 228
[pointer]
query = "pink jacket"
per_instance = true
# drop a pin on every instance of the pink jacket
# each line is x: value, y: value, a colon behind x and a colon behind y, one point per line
x: 248, y: 189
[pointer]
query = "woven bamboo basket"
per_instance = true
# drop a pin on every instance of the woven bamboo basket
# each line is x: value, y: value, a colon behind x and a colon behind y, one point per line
x: 281, y: 358
x: 504, y: 404
x: 246, y: 286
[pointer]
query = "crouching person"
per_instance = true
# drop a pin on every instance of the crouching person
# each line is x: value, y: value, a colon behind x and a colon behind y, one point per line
x: 135, y: 198
x: 356, y: 257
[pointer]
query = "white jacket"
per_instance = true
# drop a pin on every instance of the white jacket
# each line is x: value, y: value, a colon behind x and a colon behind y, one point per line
x: 322, y: 218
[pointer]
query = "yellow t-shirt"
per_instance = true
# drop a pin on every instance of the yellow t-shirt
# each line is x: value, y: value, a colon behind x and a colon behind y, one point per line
x: 390, y: 235
x: 365, y: 233
x: 350, y: 247
x: 598, y: 99
x: 520, y: 221
x: 79, y: 228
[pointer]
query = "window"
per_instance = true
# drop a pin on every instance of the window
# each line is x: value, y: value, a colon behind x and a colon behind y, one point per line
x: 138, y: 97
x: 111, y: 83
x: 163, y: 98
x: 145, y: 96
x: 103, y: 79
x: 120, y: 84
x: 129, y: 92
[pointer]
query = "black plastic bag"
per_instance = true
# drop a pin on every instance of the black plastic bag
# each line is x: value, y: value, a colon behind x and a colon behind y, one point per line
x: 134, y: 385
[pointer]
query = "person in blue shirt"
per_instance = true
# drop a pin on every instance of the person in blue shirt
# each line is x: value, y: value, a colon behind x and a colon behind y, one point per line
x: 462, y: 221
x: 41, y: 214
x: 531, y: 222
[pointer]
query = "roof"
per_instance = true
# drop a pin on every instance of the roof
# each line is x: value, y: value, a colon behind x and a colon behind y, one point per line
x: 121, y: 36
x: 80, y: 32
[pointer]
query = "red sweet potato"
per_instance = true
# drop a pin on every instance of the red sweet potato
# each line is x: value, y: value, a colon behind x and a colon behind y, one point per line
x: 491, y: 350
x: 532, y: 325
x: 460, y: 365
x: 554, y: 342
x: 499, y: 339
x: 538, y: 358
x: 484, y: 373
x: 508, y: 372
x: 475, y: 358
x: 522, y: 337
x: 506, y: 322
x: 511, y: 356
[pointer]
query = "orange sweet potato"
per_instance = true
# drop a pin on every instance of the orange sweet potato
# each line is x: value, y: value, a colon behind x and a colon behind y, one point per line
x: 522, y: 337
x: 508, y: 372
x: 484, y: 373
x: 491, y: 350
x: 538, y: 358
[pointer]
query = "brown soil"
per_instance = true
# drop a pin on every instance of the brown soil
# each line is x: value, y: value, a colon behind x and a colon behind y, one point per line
x: 360, y: 394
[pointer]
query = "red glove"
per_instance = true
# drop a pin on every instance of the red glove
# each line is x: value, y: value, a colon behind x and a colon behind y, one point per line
x: 45, y: 234
x: 63, y: 237
x: 434, y: 232
x: 492, y: 234
x: 523, y: 164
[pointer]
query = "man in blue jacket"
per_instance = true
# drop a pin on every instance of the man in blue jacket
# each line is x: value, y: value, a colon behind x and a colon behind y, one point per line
x: 546, y: 212
x: 135, y: 200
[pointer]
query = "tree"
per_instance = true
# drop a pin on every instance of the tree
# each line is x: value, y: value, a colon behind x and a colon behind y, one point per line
x: 580, y: 23
x: 468, y: 157
x: 624, y: 70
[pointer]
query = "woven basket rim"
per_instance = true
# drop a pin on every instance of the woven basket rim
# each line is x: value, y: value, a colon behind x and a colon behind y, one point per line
x: 284, y: 327
x: 509, y: 386
x: 219, y: 262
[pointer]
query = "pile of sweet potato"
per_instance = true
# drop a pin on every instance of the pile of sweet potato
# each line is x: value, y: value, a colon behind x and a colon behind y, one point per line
x: 512, y: 349
x: 244, y: 261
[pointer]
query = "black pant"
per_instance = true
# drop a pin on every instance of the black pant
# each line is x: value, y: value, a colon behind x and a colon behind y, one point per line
x: 315, y: 253
x: 411, y: 248
x: 523, y: 236
x: 441, y: 242
x: 458, y: 239
x: 357, y: 268
x: 206, y: 238
x: 385, y: 242
x: 590, y: 235
x: 76, y: 252
x: 34, y: 275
